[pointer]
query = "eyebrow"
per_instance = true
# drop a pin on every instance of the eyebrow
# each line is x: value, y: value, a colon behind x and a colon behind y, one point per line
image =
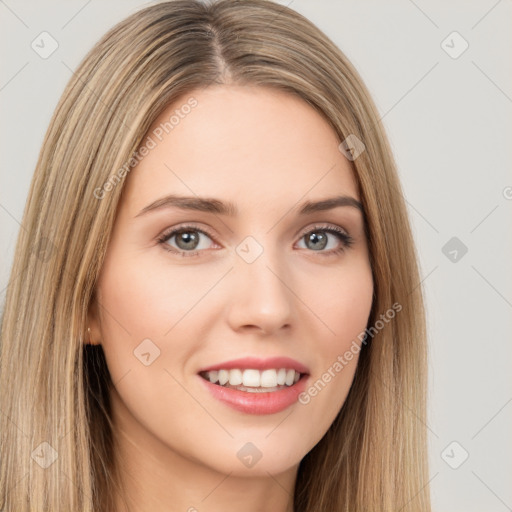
x: 212, y: 205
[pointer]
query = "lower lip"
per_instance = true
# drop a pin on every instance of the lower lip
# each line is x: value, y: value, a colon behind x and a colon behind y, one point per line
x: 257, y: 403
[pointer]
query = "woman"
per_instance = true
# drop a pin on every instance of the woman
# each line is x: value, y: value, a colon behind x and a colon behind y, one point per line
x: 219, y: 303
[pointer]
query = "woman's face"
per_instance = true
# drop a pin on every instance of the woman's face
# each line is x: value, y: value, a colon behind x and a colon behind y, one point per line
x: 261, y: 280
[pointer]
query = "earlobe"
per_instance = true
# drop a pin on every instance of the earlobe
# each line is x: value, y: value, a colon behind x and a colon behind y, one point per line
x: 93, y: 333
x: 88, y: 338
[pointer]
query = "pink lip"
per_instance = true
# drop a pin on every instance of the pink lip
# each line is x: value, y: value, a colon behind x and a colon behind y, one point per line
x: 259, y: 364
x: 257, y: 403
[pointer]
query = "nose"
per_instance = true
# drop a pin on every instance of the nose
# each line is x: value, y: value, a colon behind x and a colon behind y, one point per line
x: 261, y: 295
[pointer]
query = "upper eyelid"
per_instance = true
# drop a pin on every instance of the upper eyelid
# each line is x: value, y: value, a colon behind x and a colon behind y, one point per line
x: 169, y: 233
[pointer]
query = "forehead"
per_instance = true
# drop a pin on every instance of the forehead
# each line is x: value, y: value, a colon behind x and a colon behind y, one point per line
x: 250, y: 145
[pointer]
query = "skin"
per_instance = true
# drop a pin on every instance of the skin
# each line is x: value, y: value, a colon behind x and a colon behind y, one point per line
x: 268, y: 152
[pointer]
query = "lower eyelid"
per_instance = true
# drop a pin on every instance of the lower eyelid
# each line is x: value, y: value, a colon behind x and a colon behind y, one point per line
x: 164, y: 238
x: 342, y: 236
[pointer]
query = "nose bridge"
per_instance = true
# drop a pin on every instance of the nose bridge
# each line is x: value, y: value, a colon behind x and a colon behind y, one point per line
x: 264, y: 298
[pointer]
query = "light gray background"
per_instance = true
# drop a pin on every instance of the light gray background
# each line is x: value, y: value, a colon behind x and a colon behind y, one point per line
x: 449, y: 121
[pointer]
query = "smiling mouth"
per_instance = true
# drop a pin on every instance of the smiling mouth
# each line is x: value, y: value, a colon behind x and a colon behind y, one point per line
x: 252, y: 380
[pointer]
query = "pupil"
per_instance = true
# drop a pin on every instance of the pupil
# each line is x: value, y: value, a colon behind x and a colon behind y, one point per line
x: 322, y: 239
x: 189, y: 238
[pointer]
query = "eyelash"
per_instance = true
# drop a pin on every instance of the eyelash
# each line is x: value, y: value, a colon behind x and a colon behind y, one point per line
x: 345, y: 238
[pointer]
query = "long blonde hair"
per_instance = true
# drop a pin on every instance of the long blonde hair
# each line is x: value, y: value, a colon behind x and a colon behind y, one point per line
x: 54, y: 389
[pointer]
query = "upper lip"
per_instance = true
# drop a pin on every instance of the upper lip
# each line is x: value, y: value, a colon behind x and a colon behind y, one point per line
x: 259, y: 364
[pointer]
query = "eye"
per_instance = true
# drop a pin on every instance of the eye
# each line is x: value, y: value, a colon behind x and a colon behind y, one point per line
x: 188, y: 240
x: 317, y: 239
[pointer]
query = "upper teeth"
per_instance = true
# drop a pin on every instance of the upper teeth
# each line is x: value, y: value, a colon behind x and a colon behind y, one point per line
x: 254, y: 378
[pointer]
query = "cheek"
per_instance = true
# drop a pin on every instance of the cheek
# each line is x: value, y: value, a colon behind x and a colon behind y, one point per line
x: 149, y: 314
x: 344, y: 303
x: 134, y: 315
x: 341, y: 299
x: 140, y: 305
x: 145, y: 299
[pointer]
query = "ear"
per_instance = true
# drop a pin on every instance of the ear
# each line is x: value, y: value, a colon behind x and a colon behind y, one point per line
x: 93, y: 330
